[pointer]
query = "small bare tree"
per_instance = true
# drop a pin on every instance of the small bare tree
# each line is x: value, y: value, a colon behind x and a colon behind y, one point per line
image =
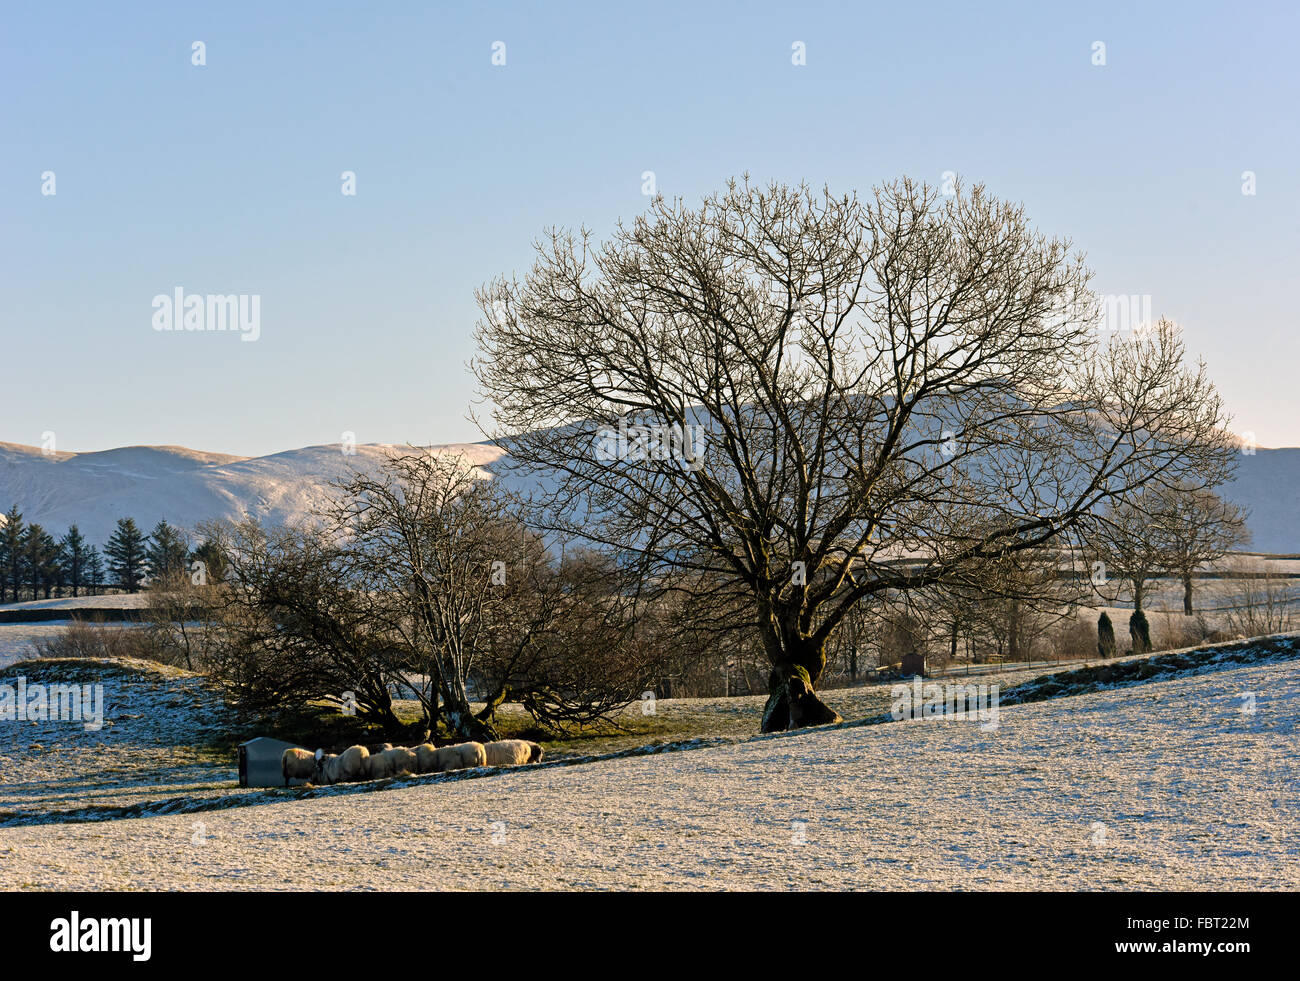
x: 434, y: 538
x: 1261, y: 603
x: 296, y: 624
x: 1195, y: 527
x: 1132, y: 554
x: 181, y: 611
x: 569, y: 645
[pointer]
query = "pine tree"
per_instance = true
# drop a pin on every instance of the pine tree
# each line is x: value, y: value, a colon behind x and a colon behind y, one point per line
x: 12, y: 538
x: 126, y: 555
x: 1105, y: 637
x: 41, y: 560
x: 58, y: 567
x: 166, y: 551
x: 94, y: 571
x: 75, y: 553
x: 213, y: 559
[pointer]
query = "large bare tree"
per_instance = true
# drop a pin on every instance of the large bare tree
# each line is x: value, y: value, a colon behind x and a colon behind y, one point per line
x: 813, y: 398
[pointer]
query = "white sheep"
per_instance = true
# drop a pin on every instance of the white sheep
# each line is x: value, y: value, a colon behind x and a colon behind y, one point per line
x: 403, y: 759
x: 391, y: 763
x: 462, y: 756
x: 512, y: 752
x: 377, y: 766
x: 425, y: 756
x: 346, y: 767
x: 297, y: 764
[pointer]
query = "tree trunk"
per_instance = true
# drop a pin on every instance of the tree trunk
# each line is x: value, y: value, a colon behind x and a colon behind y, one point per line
x: 791, y: 701
x: 493, y: 703
x: 461, y: 719
x: 1187, y: 594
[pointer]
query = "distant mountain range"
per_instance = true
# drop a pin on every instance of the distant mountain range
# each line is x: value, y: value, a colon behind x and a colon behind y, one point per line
x: 186, y: 486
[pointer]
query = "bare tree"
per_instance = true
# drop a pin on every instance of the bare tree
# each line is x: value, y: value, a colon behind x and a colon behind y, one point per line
x: 1196, y: 527
x: 571, y: 645
x: 1017, y: 599
x: 181, y: 611
x: 433, y: 537
x: 1263, y: 603
x: 1131, y: 554
x: 814, y: 399
x: 296, y: 623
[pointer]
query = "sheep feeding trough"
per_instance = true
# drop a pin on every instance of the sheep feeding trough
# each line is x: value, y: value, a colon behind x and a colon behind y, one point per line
x: 261, y: 762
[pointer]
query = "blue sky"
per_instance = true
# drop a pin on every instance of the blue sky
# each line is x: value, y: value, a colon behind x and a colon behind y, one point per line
x: 225, y: 178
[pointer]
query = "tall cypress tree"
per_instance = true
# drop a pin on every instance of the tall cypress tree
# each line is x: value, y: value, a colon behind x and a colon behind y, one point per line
x: 1139, y: 632
x: 1105, y: 636
x: 126, y: 555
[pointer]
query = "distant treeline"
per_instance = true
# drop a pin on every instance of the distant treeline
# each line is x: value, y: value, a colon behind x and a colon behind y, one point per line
x: 36, y: 565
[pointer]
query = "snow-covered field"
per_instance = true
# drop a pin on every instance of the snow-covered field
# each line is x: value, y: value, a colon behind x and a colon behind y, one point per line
x: 110, y: 601
x: 1161, y: 785
x: 144, y: 757
x: 17, y: 639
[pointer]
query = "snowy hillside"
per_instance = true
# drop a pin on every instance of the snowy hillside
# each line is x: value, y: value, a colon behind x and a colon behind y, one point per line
x: 186, y: 486
x: 147, y: 483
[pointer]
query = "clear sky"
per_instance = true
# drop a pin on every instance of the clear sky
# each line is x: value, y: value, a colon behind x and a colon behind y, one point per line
x: 226, y: 178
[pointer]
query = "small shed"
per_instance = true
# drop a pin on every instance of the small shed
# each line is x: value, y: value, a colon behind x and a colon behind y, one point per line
x: 259, y: 762
x: 913, y: 664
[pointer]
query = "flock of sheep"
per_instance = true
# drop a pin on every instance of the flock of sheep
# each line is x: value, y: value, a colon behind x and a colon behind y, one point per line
x: 358, y: 763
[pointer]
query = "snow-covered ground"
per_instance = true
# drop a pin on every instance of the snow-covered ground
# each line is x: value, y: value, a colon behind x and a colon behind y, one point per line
x: 17, y: 639
x: 109, y: 601
x: 1162, y: 785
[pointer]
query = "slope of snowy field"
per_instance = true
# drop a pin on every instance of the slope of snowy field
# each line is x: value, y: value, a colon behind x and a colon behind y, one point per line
x: 1163, y: 785
x: 186, y: 486
x: 143, y: 759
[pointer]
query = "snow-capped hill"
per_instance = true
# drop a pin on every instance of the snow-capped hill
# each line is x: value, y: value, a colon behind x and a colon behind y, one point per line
x: 148, y: 459
x: 147, y: 483
x: 186, y: 486
x: 1268, y: 486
